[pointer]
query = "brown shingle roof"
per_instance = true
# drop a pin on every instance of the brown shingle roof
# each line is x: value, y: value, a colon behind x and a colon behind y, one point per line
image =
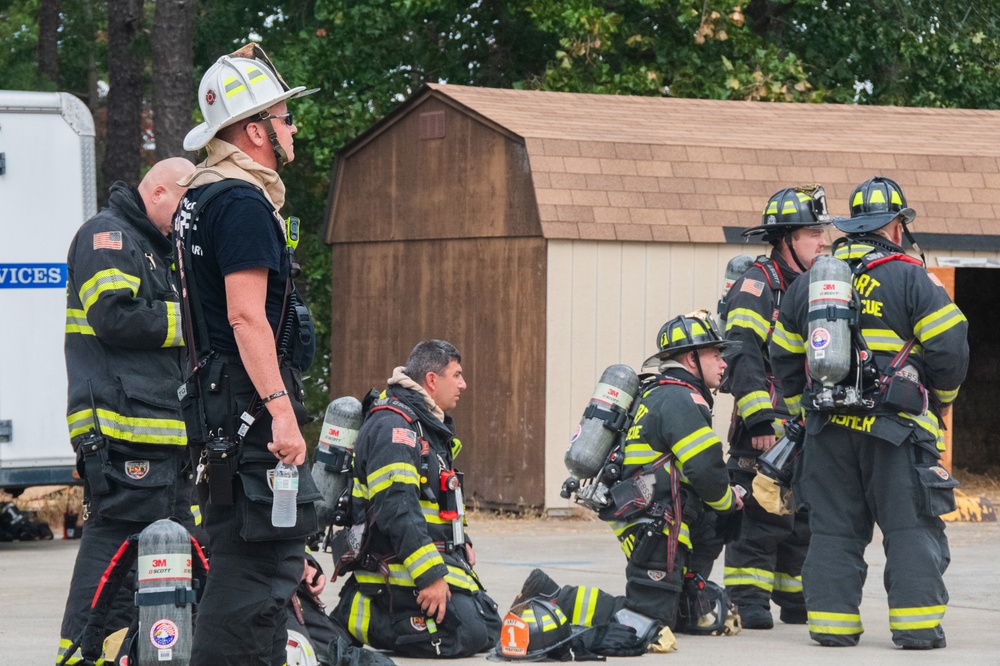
x: 641, y: 168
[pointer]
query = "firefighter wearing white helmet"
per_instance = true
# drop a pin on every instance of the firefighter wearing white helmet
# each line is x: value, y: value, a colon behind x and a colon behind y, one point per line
x: 877, y: 460
x: 673, y: 470
x: 765, y: 563
x: 248, y: 336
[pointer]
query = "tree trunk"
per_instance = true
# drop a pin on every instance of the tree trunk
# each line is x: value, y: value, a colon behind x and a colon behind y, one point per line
x: 173, y: 75
x: 125, y: 62
x: 48, y: 39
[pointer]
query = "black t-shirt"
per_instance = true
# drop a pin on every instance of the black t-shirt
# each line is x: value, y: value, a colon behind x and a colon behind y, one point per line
x: 236, y: 231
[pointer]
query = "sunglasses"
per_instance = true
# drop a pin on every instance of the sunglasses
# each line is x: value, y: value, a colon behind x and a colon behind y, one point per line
x: 287, y: 117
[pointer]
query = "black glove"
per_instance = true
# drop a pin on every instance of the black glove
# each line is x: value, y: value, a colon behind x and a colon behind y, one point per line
x: 613, y: 640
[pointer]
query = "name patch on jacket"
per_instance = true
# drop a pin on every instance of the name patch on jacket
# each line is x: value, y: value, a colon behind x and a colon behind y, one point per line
x: 404, y: 436
x: 108, y: 240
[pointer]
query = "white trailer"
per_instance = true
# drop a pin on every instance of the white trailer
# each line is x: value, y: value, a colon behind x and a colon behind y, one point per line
x: 47, y: 190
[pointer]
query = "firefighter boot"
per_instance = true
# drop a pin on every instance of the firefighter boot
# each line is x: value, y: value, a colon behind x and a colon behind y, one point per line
x: 755, y: 616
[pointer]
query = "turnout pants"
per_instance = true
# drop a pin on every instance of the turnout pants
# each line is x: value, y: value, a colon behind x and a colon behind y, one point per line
x: 165, y: 490
x: 851, y: 480
x: 388, y: 618
x: 765, y: 562
x: 649, y: 588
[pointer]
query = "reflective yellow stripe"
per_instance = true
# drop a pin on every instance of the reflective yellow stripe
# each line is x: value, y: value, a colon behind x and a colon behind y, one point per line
x: 422, y: 560
x: 585, y: 605
x: 76, y: 322
x: 174, y: 336
x: 639, y: 453
x: 400, y: 577
x: 77, y: 658
x: 938, y: 322
x: 843, y: 624
x: 945, y: 397
x: 361, y: 612
x: 196, y: 514
x: 548, y: 622
x: 761, y: 578
x: 752, y: 403
x: 790, y: 342
x: 725, y: 502
x: 786, y: 583
x: 106, y: 280
x: 794, y: 404
x: 927, y: 421
x: 853, y: 251
x: 384, y: 477
x: 129, y: 428
x: 747, y: 318
x: 432, y: 513
x: 918, y: 617
x: 882, y: 339
x: 694, y: 444
x: 232, y: 85
x: 359, y: 489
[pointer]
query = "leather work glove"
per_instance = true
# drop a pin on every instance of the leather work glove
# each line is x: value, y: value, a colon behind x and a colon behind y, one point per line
x: 664, y: 643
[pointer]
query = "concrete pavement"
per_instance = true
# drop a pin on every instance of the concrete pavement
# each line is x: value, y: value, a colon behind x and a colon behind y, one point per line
x: 34, y: 576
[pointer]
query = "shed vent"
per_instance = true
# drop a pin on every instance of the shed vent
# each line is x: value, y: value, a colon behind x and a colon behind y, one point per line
x: 432, y: 125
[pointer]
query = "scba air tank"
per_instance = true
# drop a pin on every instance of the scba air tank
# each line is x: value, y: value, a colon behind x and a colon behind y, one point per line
x: 332, y: 462
x: 828, y: 347
x: 165, y: 596
x: 604, y: 416
x: 735, y: 269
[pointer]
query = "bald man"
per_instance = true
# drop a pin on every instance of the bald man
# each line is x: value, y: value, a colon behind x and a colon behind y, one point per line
x: 124, y: 361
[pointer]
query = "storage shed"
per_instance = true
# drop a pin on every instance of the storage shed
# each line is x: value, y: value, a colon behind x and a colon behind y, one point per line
x: 549, y: 235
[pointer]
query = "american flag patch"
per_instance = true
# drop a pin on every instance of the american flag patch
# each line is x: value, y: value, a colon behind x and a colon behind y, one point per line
x: 754, y: 287
x: 699, y: 399
x: 108, y: 240
x: 404, y: 436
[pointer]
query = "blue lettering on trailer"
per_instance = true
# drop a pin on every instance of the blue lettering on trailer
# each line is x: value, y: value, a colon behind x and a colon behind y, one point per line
x: 32, y: 276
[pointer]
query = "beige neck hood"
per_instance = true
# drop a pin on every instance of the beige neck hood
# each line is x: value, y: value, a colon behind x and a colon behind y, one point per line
x: 225, y: 161
x: 400, y: 378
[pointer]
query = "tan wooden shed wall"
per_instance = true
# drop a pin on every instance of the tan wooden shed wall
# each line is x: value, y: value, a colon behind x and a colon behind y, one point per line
x: 606, y: 302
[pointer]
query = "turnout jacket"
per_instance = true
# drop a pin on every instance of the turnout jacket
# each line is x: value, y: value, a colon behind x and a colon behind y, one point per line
x: 676, y: 419
x: 399, y: 456
x: 123, y: 327
x: 900, y: 300
x: 752, y: 307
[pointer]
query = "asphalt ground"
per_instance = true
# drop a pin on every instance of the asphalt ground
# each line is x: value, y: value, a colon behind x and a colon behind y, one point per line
x: 34, y: 578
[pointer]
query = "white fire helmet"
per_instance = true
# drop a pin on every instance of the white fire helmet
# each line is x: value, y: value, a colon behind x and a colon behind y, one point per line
x: 238, y: 86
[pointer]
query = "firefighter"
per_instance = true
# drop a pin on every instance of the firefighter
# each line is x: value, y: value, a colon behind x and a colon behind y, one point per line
x: 415, y: 591
x: 765, y: 562
x: 124, y: 361
x: 250, y: 335
x: 672, y: 447
x: 879, y: 461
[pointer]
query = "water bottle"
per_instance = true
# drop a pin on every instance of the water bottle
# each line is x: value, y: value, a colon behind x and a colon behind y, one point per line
x: 286, y: 490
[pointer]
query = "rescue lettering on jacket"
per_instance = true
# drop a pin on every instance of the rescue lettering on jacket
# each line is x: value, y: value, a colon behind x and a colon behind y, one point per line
x: 864, y: 284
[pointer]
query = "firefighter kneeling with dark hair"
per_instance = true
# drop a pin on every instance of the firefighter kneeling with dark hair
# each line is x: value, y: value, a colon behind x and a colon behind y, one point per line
x: 413, y: 590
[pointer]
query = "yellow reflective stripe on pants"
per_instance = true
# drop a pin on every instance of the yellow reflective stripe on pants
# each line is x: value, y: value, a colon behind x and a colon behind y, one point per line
x: 400, y: 577
x: 76, y: 322
x: 360, y: 617
x: 733, y: 576
x: 128, y: 428
x: 842, y: 624
x: 110, y: 279
x: 77, y: 658
x: 787, y: 583
x: 422, y: 559
x: 584, y: 605
x: 918, y: 617
x: 938, y: 322
x: 175, y: 335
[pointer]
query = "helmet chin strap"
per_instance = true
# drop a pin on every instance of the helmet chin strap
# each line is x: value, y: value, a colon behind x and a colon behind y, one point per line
x: 791, y: 251
x: 280, y: 156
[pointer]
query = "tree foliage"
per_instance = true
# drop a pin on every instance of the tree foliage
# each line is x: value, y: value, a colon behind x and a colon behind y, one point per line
x: 368, y: 55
